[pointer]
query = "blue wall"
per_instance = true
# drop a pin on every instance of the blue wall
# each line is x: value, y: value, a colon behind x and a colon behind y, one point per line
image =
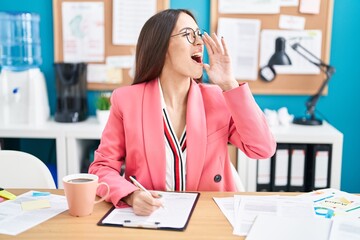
x: 339, y: 107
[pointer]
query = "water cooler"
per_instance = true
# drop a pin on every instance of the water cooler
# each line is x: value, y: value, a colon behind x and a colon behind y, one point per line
x: 23, y: 94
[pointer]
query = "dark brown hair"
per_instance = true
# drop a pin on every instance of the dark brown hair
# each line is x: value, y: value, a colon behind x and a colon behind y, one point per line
x: 153, y: 44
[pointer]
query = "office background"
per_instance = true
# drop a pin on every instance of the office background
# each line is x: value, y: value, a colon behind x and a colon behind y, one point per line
x: 339, y: 107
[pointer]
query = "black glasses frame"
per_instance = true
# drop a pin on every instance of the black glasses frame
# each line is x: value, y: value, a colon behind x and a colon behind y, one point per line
x: 190, y: 34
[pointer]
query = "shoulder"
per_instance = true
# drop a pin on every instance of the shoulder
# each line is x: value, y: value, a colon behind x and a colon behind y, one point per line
x: 128, y: 92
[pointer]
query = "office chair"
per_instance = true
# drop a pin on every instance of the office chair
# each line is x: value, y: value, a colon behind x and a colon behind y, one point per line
x: 238, y: 183
x: 23, y: 170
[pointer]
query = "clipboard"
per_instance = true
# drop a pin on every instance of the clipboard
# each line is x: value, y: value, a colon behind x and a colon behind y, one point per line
x: 175, y: 215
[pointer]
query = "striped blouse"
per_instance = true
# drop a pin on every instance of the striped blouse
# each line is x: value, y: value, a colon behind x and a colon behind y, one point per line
x: 175, y: 153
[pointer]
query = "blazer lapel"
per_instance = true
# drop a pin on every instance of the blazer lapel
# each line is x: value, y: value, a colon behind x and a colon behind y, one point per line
x: 196, y: 137
x: 154, y: 135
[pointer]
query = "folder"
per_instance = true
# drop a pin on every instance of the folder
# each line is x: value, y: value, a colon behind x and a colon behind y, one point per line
x: 175, y: 215
x: 320, y: 166
x: 297, y: 167
x: 263, y: 176
x: 281, y: 169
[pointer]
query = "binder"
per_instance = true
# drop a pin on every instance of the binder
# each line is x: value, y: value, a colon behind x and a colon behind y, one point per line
x: 320, y: 166
x: 297, y: 167
x: 178, y: 207
x: 263, y: 176
x: 281, y: 169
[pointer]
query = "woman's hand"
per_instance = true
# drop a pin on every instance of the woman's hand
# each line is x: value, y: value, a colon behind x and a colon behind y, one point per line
x: 219, y: 70
x: 142, y: 203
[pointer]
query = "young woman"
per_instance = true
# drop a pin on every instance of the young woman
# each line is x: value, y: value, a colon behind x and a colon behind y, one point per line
x: 171, y: 130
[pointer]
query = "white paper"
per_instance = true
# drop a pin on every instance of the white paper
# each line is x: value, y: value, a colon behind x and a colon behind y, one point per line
x: 345, y: 228
x: 13, y: 220
x: 284, y: 228
x: 175, y: 214
x: 289, y: 3
x: 226, y: 206
x: 310, y: 6
x: 337, y: 203
x: 83, y: 31
x: 309, y: 39
x: 247, y: 208
x: 96, y: 73
x: 291, y: 22
x: 129, y: 17
x: 125, y: 61
x: 242, y: 39
x: 249, y: 6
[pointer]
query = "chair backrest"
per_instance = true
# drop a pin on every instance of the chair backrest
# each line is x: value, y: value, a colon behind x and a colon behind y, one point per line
x: 23, y: 170
x: 238, y: 183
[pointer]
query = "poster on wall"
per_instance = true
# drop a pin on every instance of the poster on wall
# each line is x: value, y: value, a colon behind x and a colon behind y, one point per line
x: 83, y: 31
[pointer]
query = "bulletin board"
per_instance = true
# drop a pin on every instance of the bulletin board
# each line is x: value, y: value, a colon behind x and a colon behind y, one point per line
x: 110, y: 48
x: 286, y: 84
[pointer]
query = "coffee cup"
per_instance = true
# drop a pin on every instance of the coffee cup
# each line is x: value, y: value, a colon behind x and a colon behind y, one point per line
x: 80, y: 191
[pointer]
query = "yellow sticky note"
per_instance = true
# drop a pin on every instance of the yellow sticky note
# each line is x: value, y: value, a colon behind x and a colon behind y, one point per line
x: 36, y: 204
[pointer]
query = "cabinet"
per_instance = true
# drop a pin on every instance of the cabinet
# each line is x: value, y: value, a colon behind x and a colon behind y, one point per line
x: 73, y: 140
x: 298, y: 134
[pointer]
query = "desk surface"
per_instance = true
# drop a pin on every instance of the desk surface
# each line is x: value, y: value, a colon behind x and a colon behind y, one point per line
x: 207, y: 222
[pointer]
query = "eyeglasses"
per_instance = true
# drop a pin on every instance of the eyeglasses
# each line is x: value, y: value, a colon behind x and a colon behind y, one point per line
x: 190, y: 34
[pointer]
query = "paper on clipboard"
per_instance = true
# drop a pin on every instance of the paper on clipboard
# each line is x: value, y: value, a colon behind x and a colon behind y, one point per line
x: 175, y: 215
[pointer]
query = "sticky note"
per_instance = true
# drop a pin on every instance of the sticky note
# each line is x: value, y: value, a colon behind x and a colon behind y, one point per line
x: 37, y: 194
x: 36, y: 204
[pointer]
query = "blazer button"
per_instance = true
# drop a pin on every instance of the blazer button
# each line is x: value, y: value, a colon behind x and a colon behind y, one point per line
x: 217, y: 178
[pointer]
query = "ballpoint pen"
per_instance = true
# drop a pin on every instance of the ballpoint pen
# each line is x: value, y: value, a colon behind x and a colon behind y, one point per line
x: 142, y: 188
x: 139, y: 185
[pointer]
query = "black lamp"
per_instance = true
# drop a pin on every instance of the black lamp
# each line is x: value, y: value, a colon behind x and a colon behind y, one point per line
x: 268, y: 73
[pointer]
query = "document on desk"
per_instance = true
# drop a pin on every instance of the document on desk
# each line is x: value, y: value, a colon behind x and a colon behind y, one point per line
x: 242, y: 210
x: 175, y: 215
x: 285, y: 228
x: 29, y: 210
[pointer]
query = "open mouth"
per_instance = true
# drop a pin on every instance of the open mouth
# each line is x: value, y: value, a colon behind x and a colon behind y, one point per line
x: 197, y: 58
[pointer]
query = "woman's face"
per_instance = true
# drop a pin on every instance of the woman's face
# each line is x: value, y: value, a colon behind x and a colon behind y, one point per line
x: 184, y: 58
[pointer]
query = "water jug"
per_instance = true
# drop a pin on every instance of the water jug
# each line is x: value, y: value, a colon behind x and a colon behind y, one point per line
x: 20, y: 46
x: 23, y: 94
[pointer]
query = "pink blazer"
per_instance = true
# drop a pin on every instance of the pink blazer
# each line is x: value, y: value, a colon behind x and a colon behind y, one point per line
x: 134, y: 135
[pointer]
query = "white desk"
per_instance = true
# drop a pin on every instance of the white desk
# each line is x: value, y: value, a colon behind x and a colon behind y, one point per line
x: 72, y: 139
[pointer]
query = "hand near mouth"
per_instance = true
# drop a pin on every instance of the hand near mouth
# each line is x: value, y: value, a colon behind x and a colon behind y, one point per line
x: 219, y: 67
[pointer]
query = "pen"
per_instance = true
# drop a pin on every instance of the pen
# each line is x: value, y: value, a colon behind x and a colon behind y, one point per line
x: 142, y: 187
x: 139, y: 185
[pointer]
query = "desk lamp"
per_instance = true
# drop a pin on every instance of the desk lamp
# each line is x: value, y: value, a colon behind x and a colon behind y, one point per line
x: 268, y: 73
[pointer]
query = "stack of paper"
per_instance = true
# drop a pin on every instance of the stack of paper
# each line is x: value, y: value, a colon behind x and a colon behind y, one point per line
x: 323, y: 214
x: 29, y: 210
